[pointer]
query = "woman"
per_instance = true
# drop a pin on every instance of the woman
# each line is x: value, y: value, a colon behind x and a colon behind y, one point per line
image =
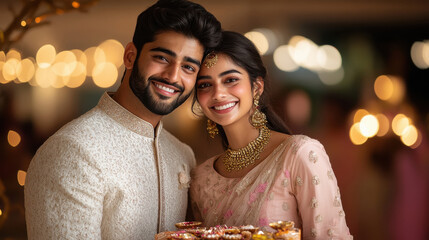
x: 265, y: 174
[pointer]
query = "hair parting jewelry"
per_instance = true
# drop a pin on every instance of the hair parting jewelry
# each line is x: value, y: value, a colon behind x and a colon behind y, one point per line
x: 210, y: 60
x: 243, y: 157
x: 212, y: 128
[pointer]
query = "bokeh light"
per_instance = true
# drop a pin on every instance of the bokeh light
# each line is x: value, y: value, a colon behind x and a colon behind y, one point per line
x: 383, y: 87
x: 409, y: 135
x: 331, y: 77
x: 420, y: 54
x: 260, y: 41
x: 25, y: 70
x: 384, y: 125
x: 368, y: 126
x: 359, y: 114
x: 105, y: 74
x: 21, y: 175
x: 355, y: 135
x: 399, y: 123
x: 329, y: 58
x: 283, y: 60
x: 46, y: 56
x: 111, y: 51
x: 13, y: 138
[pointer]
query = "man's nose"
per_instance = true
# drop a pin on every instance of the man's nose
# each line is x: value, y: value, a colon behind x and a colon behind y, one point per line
x: 171, y: 73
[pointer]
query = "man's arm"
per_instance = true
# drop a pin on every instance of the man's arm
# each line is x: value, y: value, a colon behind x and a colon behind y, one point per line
x: 63, y: 192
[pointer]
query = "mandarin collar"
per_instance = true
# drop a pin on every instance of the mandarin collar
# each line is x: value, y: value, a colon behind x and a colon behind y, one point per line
x: 127, y: 119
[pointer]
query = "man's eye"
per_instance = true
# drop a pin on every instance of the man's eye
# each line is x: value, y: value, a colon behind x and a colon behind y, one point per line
x: 161, y: 58
x: 189, y: 68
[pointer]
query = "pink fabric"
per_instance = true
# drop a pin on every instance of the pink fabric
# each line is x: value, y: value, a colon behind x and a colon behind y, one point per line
x: 295, y: 183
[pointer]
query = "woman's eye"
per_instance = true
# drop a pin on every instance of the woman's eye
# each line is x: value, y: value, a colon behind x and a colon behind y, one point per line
x: 230, y: 80
x: 203, y: 85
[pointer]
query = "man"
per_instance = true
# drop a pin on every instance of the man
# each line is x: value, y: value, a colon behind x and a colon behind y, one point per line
x: 115, y: 173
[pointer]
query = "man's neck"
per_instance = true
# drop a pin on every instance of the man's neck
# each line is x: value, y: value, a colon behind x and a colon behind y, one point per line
x: 129, y: 101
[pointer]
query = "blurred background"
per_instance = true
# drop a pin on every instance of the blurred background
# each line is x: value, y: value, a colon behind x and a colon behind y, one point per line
x: 352, y: 74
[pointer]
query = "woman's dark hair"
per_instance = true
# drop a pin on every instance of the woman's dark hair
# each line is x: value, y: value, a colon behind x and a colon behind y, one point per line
x: 244, y: 53
x: 182, y: 16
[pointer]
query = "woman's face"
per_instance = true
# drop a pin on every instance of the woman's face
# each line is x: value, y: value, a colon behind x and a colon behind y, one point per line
x: 224, y: 92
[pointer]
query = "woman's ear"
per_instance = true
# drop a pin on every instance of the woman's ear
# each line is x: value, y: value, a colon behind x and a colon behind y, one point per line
x: 130, y: 55
x: 258, y: 86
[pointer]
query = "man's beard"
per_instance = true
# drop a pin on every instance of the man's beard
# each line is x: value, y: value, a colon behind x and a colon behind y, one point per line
x: 141, y: 89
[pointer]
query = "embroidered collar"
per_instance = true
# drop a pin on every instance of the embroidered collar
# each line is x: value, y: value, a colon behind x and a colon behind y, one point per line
x: 126, y: 118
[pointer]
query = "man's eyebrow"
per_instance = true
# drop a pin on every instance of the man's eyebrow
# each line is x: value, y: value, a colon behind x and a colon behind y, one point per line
x: 173, y: 54
x: 164, y: 50
x: 194, y: 61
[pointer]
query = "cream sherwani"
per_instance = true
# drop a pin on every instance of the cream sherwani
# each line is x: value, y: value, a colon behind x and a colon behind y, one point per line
x: 107, y: 175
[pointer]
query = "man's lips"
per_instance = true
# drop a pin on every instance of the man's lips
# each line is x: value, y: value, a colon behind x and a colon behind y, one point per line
x: 165, y: 89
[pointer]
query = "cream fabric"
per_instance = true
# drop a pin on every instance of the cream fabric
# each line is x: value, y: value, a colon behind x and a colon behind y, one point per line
x: 107, y: 175
x: 294, y: 183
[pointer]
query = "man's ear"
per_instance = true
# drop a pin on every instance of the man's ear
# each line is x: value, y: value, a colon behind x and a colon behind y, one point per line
x: 258, y: 86
x: 130, y: 55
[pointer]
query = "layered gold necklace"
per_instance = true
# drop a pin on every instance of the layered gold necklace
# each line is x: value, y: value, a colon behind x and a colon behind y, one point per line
x: 243, y: 157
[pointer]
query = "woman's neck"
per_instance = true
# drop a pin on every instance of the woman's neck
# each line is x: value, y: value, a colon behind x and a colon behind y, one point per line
x: 240, y: 134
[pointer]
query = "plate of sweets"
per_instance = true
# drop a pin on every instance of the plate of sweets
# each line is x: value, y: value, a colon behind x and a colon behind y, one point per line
x: 284, y: 230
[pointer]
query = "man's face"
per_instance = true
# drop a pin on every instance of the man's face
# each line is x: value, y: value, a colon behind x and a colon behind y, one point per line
x: 165, y: 73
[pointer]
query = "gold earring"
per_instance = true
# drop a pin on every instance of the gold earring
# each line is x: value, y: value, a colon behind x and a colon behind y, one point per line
x: 212, y: 128
x: 258, y: 118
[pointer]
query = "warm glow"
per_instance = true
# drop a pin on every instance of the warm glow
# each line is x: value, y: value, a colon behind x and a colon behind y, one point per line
x: 409, y: 135
x: 21, y: 177
x: 359, y: 114
x: 9, y: 69
x: 398, y: 90
x: 368, y: 126
x: 383, y: 122
x: 23, y: 23
x: 1, y: 212
x: 45, y: 77
x: 2, y: 80
x: 355, y: 136
x: 112, y: 51
x: 283, y: 60
x: 90, y: 57
x: 331, y: 77
x: 25, y: 70
x: 399, y: 123
x: 75, y: 4
x: 13, y: 54
x: 260, y: 41
x: 418, y: 141
x: 65, y: 63
x: 2, y: 56
x: 46, y: 56
x: 105, y: 74
x: 37, y: 19
x: 78, y: 76
x: 383, y: 87
x: 13, y: 138
x: 304, y: 52
x: 420, y: 54
x: 329, y: 58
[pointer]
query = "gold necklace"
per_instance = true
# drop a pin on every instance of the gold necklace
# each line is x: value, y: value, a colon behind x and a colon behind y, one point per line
x: 243, y: 157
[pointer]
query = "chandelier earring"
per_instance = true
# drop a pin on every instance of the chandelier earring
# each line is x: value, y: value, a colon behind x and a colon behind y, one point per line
x: 212, y: 128
x: 258, y: 118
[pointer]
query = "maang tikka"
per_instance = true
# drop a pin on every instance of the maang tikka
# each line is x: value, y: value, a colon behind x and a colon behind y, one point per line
x: 212, y: 128
x: 210, y: 60
x: 258, y: 118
